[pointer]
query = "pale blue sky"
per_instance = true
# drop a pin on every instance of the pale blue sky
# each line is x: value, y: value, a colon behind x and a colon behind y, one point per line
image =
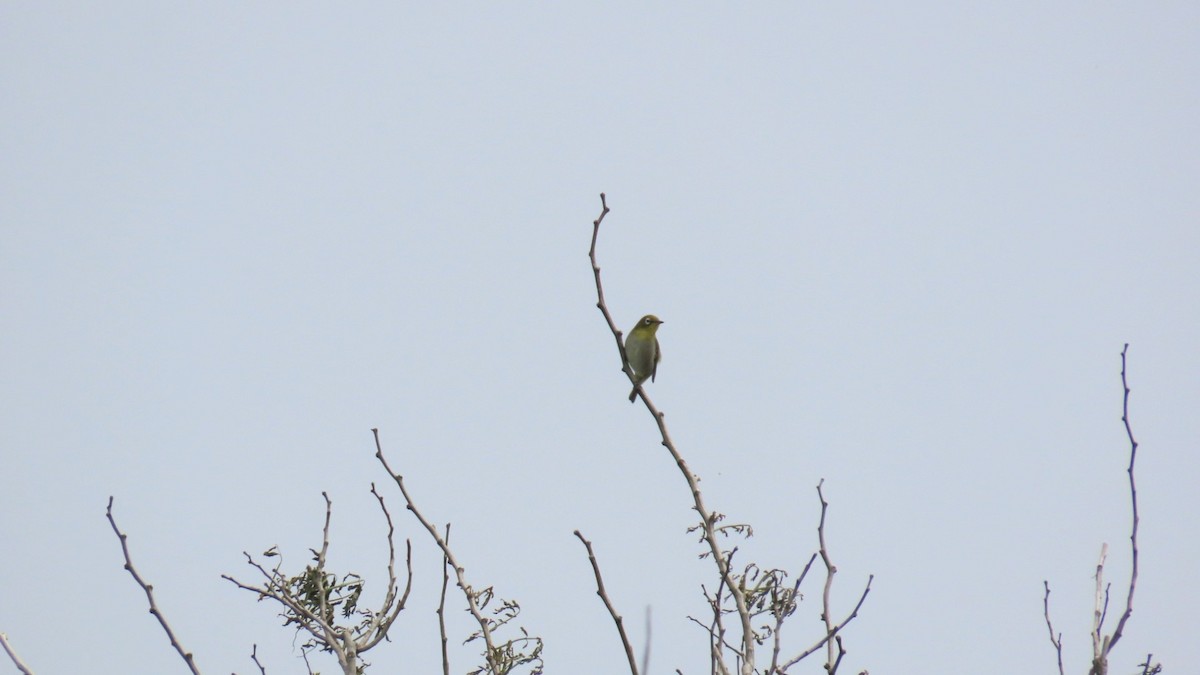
x: 897, y: 248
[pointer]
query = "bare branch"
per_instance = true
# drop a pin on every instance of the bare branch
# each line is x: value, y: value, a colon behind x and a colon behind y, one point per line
x: 600, y: 291
x: 1102, y: 645
x: 719, y: 622
x: 608, y: 604
x: 1133, y: 546
x: 836, y: 629
x: 715, y: 635
x: 841, y: 652
x: 1055, y: 640
x: 707, y: 518
x: 381, y: 622
x: 830, y: 571
x: 1104, y: 609
x: 804, y: 572
x: 716, y: 643
x: 254, y: 657
x: 441, y: 610
x: 320, y: 578
x: 646, y: 651
x: 459, y: 570
x: 12, y: 654
x: 831, y: 640
x: 149, y: 590
x: 343, y: 649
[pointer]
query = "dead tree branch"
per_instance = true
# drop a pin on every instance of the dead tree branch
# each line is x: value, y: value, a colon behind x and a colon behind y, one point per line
x: 753, y: 592
x: 1102, y: 644
x: 1133, y: 545
x: 1055, y: 639
x: 831, y: 639
x: 254, y: 658
x: 441, y: 610
x: 608, y: 604
x: 501, y: 658
x: 149, y: 590
x: 708, y: 519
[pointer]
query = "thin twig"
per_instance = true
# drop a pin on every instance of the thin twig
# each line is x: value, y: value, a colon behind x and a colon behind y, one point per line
x: 381, y: 622
x: 1102, y: 645
x: 343, y: 649
x: 716, y: 663
x: 1133, y: 446
x: 832, y: 641
x: 830, y: 571
x: 836, y: 629
x: 600, y: 291
x: 254, y: 658
x: 831, y: 631
x: 1104, y: 610
x: 608, y: 604
x: 459, y: 570
x: 841, y: 652
x: 441, y: 610
x: 804, y: 572
x: 646, y: 651
x: 1054, y: 640
x: 149, y: 590
x: 712, y: 632
x: 717, y: 604
x: 12, y: 654
x: 707, y: 518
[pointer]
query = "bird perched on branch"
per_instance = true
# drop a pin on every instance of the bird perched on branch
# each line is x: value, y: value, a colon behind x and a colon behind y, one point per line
x: 641, y: 347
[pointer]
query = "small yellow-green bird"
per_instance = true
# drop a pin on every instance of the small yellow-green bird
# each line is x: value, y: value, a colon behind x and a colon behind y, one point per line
x: 641, y: 346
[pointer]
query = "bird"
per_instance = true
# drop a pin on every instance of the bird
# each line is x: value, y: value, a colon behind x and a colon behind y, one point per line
x: 641, y: 347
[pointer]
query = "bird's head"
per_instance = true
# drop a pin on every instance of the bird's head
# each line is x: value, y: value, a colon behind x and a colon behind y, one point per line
x: 648, y: 324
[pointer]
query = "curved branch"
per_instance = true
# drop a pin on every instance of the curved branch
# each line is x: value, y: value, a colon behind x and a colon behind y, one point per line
x: 381, y: 623
x: 707, y: 518
x: 459, y: 571
x: 600, y: 304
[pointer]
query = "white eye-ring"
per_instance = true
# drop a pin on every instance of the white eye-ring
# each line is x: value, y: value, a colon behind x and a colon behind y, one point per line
x: 647, y: 321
